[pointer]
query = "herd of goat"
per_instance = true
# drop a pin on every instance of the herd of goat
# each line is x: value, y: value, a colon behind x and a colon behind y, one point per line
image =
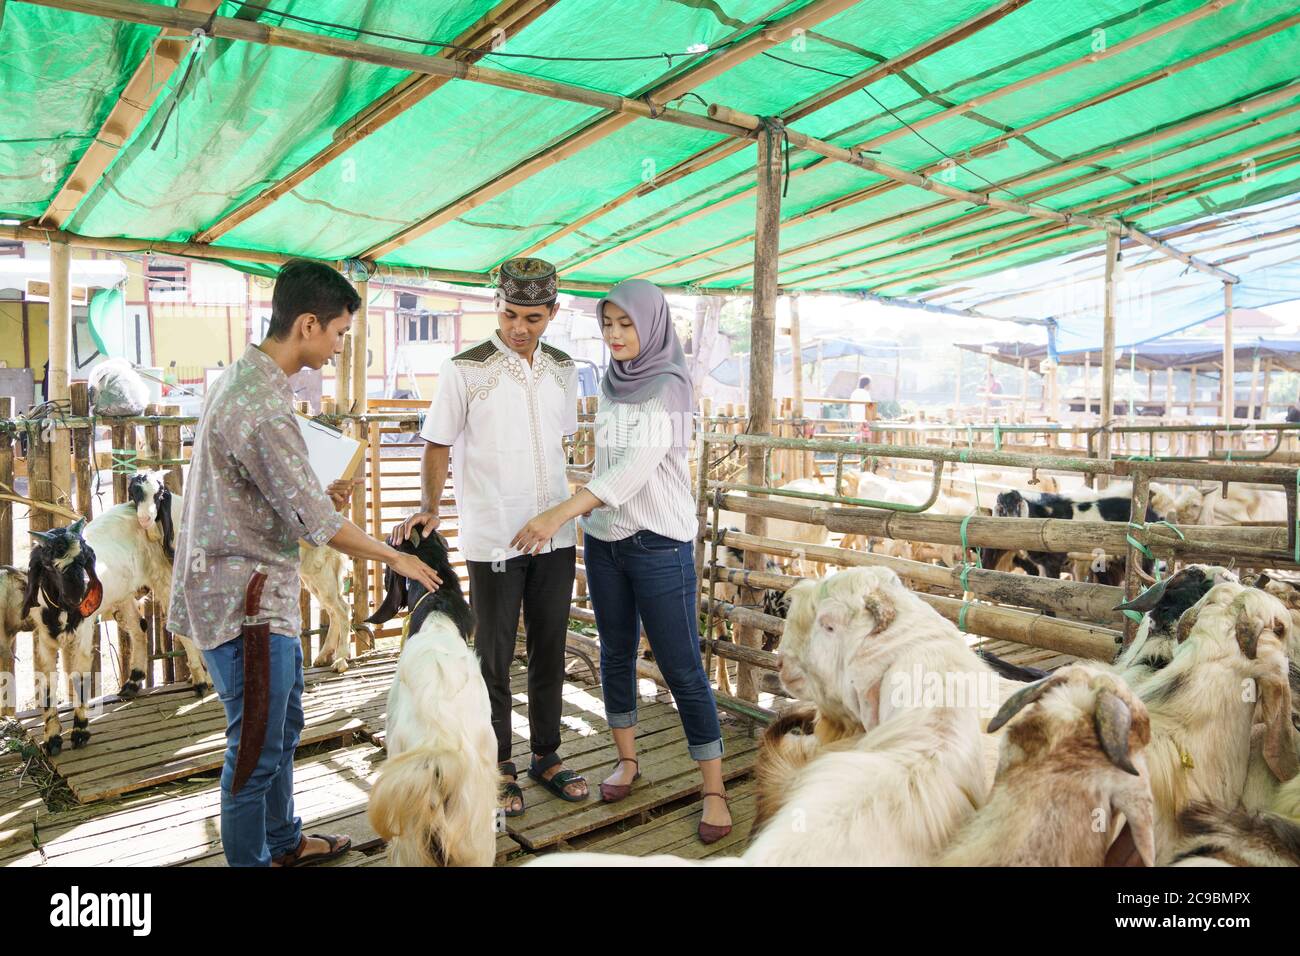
x: 103, y: 568
x: 1183, y: 751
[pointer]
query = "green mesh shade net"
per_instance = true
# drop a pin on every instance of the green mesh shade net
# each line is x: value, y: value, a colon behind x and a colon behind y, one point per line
x: 1180, y: 123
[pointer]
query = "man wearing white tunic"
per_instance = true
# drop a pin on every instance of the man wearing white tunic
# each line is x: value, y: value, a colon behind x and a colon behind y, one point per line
x: 502, y: 410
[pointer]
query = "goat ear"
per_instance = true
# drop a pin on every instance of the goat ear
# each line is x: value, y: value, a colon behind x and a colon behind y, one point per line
x: 34, y: 571
x: 1136, y: 843
x: 1279, y: 737
x: 45, y: 537
x: 76, y: 526
x: 394, y: 598
x: 1018, y: 702
x: 1112, y: 721
x: 165, y: 519
x: 1148, y: 599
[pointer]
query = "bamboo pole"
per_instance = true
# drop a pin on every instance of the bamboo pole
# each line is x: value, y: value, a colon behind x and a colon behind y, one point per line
x: 506, y: 19
x: 911, y: 238
x: 807, y: 107
x: 1055, y: 535
x: 360, y: 570
x: 1024, y: 390
x: 1108, y: 348
x: 343, y: 374
x: 7, y: 479
x: 1118, y: 49
x: 83, y: 450
x: 38, y: 481
x: 762, y: 330
x: 1169, y: 394
x: 198, y: 250
x: 1074, y: 599
x: 361, y: 355
x: 58, y: 390
x: 1254, y: 384
x: 8, y: 674
x: 1228, y: 375
x: 698, y: 73
x: 985, y: 148
x: 1034, y: 630
x: 1263, y: 401
x: 956, y: 393
x: 721, y: 119
x: 152, y: 77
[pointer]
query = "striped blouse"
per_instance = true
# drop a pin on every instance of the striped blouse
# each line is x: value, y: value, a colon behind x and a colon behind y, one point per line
x: 643, y: 480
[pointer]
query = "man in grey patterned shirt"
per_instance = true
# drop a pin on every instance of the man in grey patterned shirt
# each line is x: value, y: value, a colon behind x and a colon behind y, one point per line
x: 252, y: 495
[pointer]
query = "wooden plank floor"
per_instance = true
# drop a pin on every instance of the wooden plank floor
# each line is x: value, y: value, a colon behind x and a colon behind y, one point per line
x: 158, y: 737
x: 146, y: 815
x: 1025, y: 656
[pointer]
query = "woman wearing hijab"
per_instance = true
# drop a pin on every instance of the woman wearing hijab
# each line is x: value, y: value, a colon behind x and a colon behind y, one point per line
x: 640, y: 526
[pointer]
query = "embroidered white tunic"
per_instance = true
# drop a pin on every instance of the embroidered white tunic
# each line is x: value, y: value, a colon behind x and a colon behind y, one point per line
x: 505, y: 420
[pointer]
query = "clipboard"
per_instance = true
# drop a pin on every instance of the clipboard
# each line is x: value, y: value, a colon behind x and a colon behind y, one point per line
x: 331, y: 454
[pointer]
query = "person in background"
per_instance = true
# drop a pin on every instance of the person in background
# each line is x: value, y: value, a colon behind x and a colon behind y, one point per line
x: 505, y: 404
x: 857, y: 410
x: 639, y: 539
x: 251, y: 496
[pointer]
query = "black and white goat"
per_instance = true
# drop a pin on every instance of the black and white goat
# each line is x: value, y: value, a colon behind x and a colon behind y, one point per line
x: 1161, y: 606
x: 1015, y: 504
x: 61, y: 599
x: 435, y: 798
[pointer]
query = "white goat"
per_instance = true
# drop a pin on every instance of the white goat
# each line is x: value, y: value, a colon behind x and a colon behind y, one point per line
x: 1230, y: 663
x: 13, y: 620
x: 133, y: 553
x: 1070, y: 763
x: 1240, y: 505
x: 321, y: 570
x: 871, y: 655
x: 900, y: 769
x: 435, y: 799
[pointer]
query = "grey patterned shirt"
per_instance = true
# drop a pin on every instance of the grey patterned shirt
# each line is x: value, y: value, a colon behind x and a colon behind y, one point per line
x: 251, y: 495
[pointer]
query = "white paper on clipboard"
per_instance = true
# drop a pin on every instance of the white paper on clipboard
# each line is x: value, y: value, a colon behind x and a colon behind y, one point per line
x: 331, y: 454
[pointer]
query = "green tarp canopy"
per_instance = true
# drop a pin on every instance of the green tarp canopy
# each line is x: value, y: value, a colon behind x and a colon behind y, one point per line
x: 1154, y: 111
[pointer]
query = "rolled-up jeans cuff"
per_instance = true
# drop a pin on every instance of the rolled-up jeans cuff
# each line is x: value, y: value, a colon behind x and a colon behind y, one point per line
x: 621, y: 721
x: 710, y: 751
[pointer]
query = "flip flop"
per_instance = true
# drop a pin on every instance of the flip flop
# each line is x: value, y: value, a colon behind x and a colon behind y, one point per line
x: 338, y: 846
x: 559, y: 781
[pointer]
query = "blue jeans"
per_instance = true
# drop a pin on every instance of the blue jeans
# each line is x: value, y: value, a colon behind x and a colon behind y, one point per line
x: 651, y: 577
x: 258, y: 822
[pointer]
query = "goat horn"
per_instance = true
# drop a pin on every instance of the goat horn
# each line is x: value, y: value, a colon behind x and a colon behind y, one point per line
x: 1147, y: 600
x: 1017, y: 702
x: 1112, y: 720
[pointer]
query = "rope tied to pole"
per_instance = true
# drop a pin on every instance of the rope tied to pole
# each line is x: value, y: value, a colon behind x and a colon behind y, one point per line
x: 774, y: 126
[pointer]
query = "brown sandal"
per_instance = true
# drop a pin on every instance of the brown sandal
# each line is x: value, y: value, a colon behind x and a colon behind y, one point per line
x: 338, y: 846
x: 712, y: 832
x: 613, y: 792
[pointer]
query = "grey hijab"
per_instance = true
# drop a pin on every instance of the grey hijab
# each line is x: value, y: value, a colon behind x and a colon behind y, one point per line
x: 660, y: 367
